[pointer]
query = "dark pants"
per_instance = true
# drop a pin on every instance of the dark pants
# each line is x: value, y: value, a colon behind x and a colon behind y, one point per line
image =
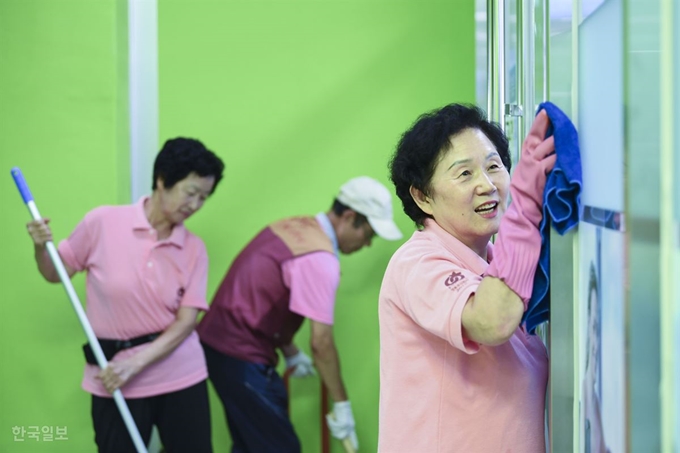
x: 182, y: 418
x: 255, y: 404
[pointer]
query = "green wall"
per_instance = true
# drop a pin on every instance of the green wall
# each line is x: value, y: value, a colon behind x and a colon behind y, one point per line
x: 296, y: 97
x: 61, y: 107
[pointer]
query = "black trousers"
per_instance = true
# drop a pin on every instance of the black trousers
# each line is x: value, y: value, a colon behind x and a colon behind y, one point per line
x: 255, y: 403
x: 182, y: 418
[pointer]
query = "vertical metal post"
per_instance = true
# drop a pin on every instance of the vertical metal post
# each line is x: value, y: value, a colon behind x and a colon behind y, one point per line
x: 523, y: 72
x: 495, y: 13
x: 143, y: 92
x: 143, y: 107
x: 526, y: 85
x: 546, y: 49
x: 668, y: 241
x: 490, y: 67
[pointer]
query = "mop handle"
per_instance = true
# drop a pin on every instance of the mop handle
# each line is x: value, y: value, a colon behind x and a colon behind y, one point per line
x: 82, y: 317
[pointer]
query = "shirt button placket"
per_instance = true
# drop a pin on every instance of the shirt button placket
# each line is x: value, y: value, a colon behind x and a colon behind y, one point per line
x: 149, y: 263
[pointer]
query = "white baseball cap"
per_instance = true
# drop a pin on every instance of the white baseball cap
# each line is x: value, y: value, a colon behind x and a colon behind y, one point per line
x: 368, y: 197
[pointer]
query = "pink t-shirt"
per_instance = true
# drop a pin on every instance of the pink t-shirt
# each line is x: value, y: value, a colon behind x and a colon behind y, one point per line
x: 135, y: 286
x: 440, y: 392
x: 313, y: 280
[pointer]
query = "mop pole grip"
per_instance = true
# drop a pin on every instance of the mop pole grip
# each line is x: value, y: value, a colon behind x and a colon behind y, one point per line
x: 25, y: 192
x: 21, y: 185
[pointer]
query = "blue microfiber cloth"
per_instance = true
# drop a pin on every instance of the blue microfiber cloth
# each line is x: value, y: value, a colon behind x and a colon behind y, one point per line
x: 561, y: 206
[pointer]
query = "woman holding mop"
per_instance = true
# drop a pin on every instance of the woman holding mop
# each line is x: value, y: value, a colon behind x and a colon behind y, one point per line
x: 146, y: 284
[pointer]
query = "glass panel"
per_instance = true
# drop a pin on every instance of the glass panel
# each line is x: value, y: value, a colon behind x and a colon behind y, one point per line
x: 675, y: 240
x: 560, y: 56
x: 601, y: 297
x: 562, y: 372
x: 513, y: 79
x: 539, y: 35
x: 642, y: 209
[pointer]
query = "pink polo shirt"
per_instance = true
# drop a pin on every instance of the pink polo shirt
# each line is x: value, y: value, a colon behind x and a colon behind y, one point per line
x: 440, y: 392
x: 135, y: 286
x: 313, y: 280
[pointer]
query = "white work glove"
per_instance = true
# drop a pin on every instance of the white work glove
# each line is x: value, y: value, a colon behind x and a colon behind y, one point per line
x: 341, y: 423
x: 301, y: 364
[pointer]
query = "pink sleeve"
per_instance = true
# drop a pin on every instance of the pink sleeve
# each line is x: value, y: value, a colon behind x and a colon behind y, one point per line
x: 313, y: 280
x: 435, y: 293
x: 75, y: 250
x: 195, y: 290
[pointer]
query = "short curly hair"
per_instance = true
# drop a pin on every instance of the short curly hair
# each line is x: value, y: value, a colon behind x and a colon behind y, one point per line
x: 420, y: 147
x: 181, y: 156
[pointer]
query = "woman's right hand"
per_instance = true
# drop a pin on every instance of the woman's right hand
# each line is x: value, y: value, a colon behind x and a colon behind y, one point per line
x: 529, y: 178
x: 40, y: 232
x: 518, y: 244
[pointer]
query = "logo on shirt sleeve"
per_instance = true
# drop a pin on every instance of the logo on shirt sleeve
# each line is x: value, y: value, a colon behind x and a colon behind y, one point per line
x: 454, y: 278
x: 180, y: 294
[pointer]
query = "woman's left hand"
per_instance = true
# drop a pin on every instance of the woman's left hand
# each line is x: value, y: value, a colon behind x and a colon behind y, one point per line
x: 118, y: 373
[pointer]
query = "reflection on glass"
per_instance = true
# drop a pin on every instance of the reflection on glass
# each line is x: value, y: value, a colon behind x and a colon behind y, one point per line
x: 593, y: 430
